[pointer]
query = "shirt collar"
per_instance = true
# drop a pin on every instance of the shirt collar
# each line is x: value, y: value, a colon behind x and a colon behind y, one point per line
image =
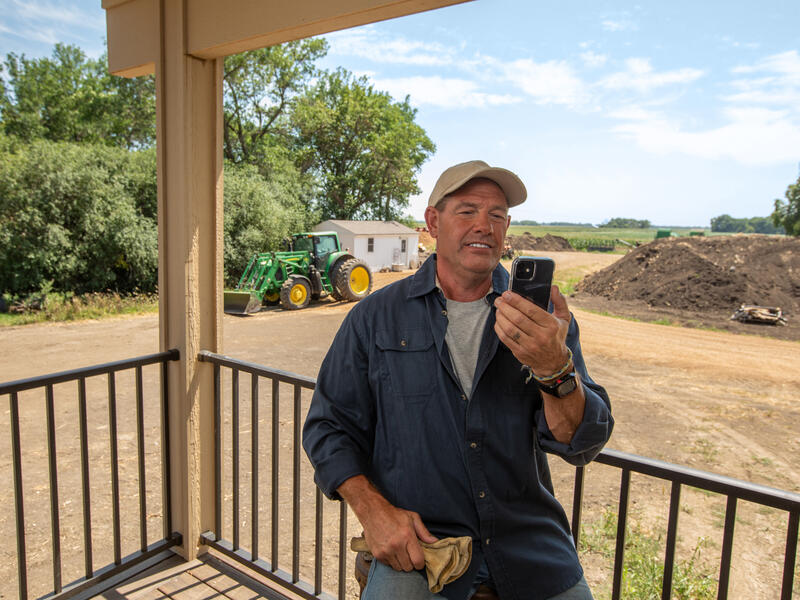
x: 424, y: 280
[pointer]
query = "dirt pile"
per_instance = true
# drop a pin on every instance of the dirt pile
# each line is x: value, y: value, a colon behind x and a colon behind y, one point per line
x: 550, y: 243
x: 712, y: 275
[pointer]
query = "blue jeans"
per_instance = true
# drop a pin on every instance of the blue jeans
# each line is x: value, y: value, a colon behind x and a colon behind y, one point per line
x: 384, y: 583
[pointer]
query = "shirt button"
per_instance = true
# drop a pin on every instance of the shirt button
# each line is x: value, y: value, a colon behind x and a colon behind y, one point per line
x: 402, y: 342
x: 488, y: 541
x: 444, y: 313
x: 473, y: 445
x: 463, y: 398
x: 482, y: 494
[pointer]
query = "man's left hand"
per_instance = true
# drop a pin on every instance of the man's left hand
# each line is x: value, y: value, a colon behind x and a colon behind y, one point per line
x: 536, y: 337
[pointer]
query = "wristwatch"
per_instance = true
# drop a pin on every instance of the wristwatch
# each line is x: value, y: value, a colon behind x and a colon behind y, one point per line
x: 563, y: 386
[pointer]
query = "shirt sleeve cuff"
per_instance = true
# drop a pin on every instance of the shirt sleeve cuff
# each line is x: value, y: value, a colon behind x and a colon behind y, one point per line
x: 590, y: 436
x: 334, y: 470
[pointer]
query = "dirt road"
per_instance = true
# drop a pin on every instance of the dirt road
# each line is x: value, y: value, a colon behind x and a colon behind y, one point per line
x: 715, y: 401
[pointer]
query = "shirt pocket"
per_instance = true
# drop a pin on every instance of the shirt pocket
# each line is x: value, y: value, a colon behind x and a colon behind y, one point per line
x: 411, y: 361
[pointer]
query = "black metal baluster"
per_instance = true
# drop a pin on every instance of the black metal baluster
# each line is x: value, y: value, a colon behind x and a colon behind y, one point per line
x: 140, y: 451
x: 790, y: 555
x: 577, y: 504
x: 318, y: 543
x: 55, y: 529
x: 166, y: 480
x: 254, y: 465
x: 275, y: 483
x: 672, y: 537
x: 85, y: 483
x: 622, y: 520
x: 342, y: 550
x: 296, y: 487
x: 217, y: 453
x: 112, y: 434
x: 22, y: 561
x: 727, y: 549
x: 235, y: 453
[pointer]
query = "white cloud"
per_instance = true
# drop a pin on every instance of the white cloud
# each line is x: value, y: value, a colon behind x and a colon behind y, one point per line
x: 615, y: 25
x: 775, y: 82
x: 59, y: 14
x: 641, y: 77
x: 443, y: 92
x: 551, y: 82
x: 368, y: 43
x: 751, y: 136
x: 592, y: 59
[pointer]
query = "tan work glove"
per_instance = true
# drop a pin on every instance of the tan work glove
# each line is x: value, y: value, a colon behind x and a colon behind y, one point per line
x: 445, y: 560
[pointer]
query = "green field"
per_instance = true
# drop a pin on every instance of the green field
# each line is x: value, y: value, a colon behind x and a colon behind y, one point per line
x: 582, y: 238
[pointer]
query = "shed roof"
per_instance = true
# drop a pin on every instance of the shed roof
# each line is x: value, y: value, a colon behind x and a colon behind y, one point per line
x: 370, y: 227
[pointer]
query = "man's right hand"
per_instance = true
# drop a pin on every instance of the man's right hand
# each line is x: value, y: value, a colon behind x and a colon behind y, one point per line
x: 392, y: 534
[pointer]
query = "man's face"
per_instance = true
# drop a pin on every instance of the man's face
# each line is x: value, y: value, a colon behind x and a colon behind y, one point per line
x: 470, y: 226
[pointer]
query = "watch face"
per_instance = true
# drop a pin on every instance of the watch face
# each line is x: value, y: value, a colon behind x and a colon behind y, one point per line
x: 562, y: 389
x: 566, y: 387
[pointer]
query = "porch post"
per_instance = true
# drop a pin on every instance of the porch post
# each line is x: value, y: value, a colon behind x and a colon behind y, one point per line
x: 189, y: 141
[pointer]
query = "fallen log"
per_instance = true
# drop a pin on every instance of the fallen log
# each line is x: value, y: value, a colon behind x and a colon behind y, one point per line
x: 751, y: 313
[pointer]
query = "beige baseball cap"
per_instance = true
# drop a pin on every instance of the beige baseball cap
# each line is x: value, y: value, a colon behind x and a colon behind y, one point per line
x: 457, y: 175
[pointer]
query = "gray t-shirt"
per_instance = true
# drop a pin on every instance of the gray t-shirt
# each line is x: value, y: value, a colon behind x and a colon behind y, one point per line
x: 465, y: 324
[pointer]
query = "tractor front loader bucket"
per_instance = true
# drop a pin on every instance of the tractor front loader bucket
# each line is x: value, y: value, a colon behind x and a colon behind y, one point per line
x: 241, y: 302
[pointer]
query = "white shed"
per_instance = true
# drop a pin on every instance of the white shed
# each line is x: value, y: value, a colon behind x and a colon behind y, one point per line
x: 381, y: 244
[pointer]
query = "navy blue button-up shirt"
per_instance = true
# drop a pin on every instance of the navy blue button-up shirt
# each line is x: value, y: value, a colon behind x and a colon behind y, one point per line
x: 388, y: 405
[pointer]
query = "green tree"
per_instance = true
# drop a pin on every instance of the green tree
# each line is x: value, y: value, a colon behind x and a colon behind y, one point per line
x: 73, y: 218
x: 728, y: 224
x: 364, y: 148
x: 260, y: 90
x: 787, y: 214
x: 259, y: 213
x: 68, y: 97
x: 623, y: 223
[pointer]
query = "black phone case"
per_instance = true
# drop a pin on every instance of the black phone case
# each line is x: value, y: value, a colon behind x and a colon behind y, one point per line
x: 536, y: 289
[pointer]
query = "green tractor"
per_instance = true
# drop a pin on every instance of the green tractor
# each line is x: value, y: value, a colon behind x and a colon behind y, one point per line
x: 314, y: 266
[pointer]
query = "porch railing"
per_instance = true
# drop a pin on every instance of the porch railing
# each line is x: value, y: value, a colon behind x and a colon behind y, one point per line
x: 733, y: 489
x: 28, y: 394
x: 226, y: 536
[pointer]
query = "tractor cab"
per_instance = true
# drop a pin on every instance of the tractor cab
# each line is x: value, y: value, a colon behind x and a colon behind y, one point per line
x: 319, y: 245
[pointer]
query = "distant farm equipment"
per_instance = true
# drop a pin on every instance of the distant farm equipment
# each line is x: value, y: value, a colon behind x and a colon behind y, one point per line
x: 313, y: 266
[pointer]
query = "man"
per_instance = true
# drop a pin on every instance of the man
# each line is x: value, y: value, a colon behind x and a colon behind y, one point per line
x: 428, y: 422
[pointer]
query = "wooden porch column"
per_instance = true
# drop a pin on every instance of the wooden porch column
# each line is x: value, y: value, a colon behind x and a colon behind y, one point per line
x: 189, y: 141
x: 185, y: 42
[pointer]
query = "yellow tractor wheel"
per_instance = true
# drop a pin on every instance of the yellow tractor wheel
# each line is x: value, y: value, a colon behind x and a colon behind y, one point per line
x: 272, y: 298
x: 354, y: 280
x: 295, y: 293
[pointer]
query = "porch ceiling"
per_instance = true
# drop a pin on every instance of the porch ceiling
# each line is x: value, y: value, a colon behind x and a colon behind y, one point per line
x: 215, y: 29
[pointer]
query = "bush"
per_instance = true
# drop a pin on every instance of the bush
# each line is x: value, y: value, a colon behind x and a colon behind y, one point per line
x: 77, y: 218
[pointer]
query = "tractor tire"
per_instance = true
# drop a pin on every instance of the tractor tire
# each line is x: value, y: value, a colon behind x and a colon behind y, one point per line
x: 295, y: 293
x: 333, y: 277
x: 272, y: 299
x: 354, y: 280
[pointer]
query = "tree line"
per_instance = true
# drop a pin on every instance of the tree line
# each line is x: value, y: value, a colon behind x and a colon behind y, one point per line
x: 728, y: 224
x: 78, y: 193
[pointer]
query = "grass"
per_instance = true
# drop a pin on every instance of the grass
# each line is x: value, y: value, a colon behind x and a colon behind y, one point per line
x: 54, y: 306
x: 706, y: 449
x: 643, y: 567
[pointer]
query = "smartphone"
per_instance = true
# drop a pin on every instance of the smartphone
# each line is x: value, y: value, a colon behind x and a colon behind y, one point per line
x: 532, y: 276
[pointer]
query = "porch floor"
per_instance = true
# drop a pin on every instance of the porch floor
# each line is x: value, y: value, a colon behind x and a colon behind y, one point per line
x: 206, y: 578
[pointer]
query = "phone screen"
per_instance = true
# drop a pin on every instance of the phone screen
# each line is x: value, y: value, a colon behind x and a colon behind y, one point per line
x: 532, y: 276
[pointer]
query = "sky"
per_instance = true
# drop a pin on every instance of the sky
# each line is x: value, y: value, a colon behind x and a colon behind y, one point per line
x: 675, y: 112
